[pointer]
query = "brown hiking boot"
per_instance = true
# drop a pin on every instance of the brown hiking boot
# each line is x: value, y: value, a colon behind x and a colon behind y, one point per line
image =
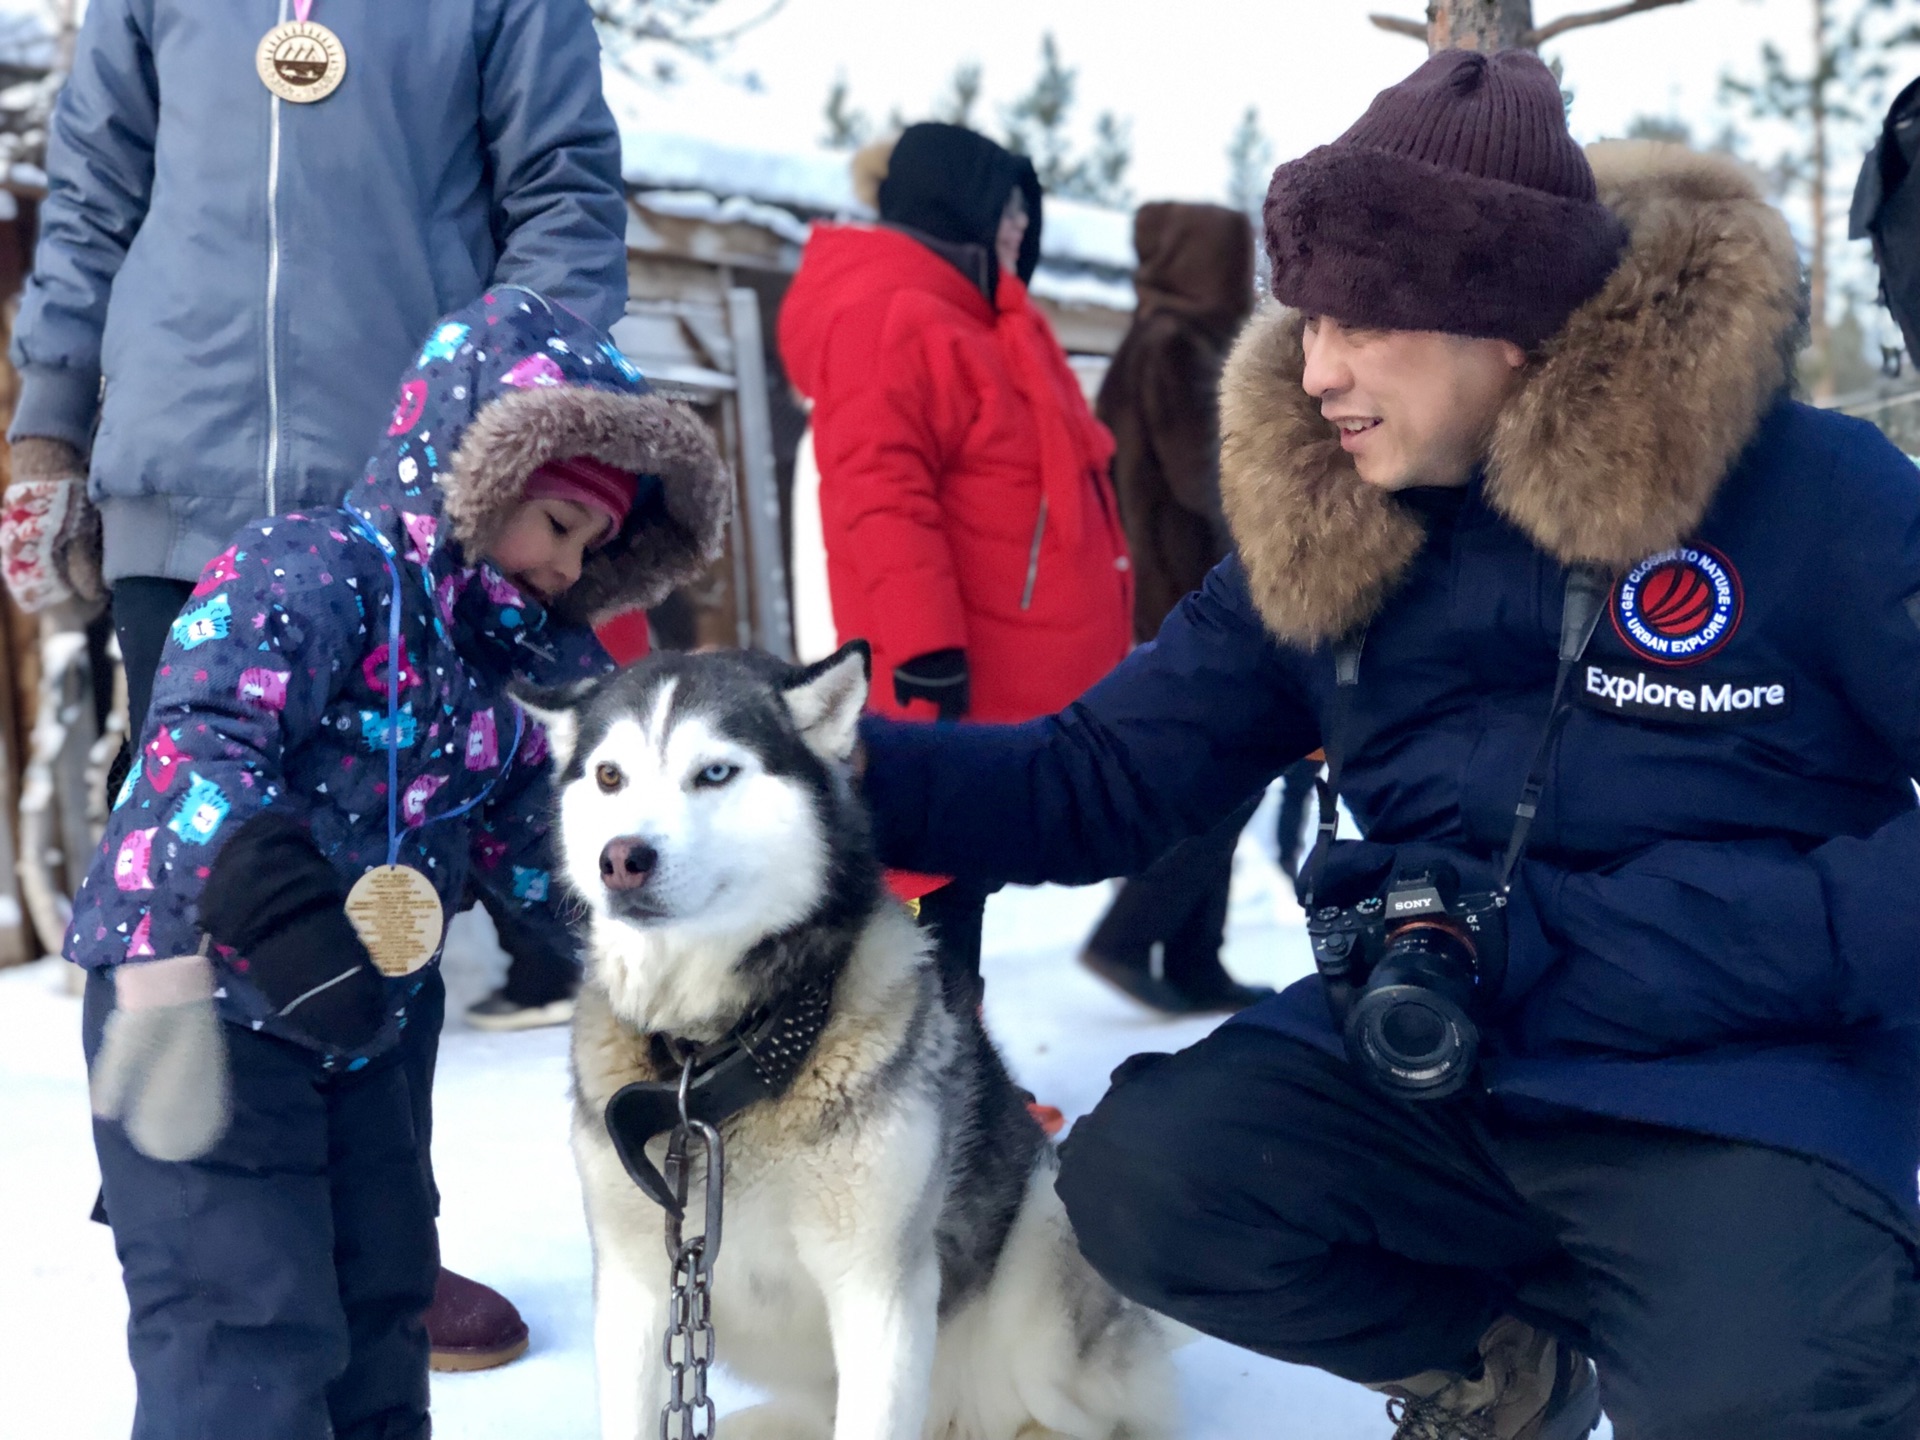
x: 1530, y: 1387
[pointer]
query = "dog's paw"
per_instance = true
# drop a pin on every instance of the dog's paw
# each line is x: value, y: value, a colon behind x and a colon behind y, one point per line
x: 778, y: 1420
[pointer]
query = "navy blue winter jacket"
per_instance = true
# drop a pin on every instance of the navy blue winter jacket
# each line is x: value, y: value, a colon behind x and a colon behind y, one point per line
x: 273, y: 687
x: 249, y: 275
x: 1718, y: 927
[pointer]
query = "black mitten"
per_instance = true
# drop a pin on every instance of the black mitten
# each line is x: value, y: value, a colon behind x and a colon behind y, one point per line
x: 940, y: 677
x: 274, y: 897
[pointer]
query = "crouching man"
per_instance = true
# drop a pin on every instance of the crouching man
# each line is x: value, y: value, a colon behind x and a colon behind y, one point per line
x: 1616, y: 653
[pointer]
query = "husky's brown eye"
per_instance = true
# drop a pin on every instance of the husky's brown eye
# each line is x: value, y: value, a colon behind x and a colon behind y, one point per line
x: 608, y: 777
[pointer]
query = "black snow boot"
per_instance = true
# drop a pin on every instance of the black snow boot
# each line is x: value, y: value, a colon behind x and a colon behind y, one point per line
x: 1199, y: 989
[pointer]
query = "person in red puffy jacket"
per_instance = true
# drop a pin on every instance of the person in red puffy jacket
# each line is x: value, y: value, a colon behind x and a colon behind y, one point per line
x: 970, y: 526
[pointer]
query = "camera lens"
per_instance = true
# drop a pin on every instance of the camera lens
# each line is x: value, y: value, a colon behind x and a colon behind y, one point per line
x: 1409, y: 1032
x: 1411, y: 1042
x: 1413, y: 1030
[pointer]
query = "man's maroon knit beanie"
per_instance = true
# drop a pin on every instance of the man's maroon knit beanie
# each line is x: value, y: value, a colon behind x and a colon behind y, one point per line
x: 1459, y: 202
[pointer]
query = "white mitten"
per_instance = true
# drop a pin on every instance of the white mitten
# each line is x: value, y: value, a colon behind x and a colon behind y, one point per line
x: 49, y: 530
x: 161, y: 1069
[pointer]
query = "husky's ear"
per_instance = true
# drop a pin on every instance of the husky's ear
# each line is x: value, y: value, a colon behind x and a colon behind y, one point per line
x: 557, y: 710
x: 826, y: 699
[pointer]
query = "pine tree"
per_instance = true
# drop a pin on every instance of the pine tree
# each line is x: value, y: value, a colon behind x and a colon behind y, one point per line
x: 1669, y: 129
x: 1037, y: 126
x: 1849, y: 369
x: 1102, y: 175
x: 1672, y: 130
x: 847, y: 128
x: 963, y: 94
x: 1249, y: 164
x: 1844, y: 88
x: 649, y: 38
x: 1037, y: 121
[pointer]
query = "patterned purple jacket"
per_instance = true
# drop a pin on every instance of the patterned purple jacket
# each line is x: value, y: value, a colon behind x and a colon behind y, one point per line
x: 273, y: 688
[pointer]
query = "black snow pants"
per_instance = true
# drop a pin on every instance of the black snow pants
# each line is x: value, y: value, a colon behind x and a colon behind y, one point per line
x: 1253, y: 1188
x: 1179, y: 902
x: 537, y: 974
x: 277, y: 1287
x: 144, y: 610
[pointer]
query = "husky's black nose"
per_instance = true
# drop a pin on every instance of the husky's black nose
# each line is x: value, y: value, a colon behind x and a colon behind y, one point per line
x: 626, y: 864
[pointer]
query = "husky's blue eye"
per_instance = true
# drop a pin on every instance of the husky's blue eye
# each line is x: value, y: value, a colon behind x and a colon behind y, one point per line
x: 716, y: 775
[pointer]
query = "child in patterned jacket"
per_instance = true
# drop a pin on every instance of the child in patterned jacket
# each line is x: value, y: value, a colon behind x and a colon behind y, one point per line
x: 330, y: 756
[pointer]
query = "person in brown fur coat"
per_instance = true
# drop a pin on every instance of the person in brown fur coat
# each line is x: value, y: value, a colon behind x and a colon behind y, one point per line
x: 1194, y: 282
x: 1160, y: 941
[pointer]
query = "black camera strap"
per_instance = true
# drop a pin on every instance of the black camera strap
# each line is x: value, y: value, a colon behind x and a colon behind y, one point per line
x: 1585, y: 594
x: 1346, y: 679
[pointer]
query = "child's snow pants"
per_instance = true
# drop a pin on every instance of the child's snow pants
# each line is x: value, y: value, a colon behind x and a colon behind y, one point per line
x: 277, y: 1286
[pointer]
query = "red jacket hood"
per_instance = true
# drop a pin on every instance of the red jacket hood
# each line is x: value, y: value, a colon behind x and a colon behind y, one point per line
x: 848, y: 265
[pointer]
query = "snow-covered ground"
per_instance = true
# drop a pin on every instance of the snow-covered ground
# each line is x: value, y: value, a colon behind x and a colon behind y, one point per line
x: 511, y: 1207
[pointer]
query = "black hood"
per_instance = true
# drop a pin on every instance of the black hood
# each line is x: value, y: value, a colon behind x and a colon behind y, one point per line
x: 951, y: 184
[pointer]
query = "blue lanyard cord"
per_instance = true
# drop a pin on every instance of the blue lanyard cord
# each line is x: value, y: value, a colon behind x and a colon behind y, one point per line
x: 369, y: 532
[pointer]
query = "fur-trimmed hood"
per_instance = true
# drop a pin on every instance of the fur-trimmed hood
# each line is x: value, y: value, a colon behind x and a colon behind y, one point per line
x: 501, y: 388
x: 1612, y: 449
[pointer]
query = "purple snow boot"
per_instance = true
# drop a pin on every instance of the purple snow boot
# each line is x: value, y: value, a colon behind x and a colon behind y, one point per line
x: 472, y: 1327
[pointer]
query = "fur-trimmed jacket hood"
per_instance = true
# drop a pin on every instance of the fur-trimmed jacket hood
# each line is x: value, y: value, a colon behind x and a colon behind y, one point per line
x: 1612, y: 449
x: 501, y: 388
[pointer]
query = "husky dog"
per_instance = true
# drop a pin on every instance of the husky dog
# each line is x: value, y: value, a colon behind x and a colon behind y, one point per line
x: 895, y: 1262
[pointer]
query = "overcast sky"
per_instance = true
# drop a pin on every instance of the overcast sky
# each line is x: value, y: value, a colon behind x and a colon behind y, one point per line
x: 1184, y: 70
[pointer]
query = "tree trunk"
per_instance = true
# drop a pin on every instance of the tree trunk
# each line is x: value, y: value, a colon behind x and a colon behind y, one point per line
x: 1820, y: 333
x: 1483, y: 25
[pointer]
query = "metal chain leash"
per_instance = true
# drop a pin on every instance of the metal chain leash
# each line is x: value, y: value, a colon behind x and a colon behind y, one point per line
x: 688, y: 1346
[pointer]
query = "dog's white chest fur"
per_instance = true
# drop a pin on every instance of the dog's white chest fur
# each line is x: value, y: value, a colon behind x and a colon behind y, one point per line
x: 769, y: 1307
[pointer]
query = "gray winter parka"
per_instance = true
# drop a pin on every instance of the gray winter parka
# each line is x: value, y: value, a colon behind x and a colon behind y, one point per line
x: 248, y: 275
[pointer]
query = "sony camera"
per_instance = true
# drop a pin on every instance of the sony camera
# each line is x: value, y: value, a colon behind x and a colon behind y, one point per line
x: 1405, y: 971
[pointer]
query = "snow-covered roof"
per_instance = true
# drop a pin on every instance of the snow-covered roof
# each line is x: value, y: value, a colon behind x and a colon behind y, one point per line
x: 816, y: 183
x: 30, y: 84
x: 1081, y: 287
x: 1090, y: 234
x: 25, y: 39
x: 706, y: 180
x: 736, y: 210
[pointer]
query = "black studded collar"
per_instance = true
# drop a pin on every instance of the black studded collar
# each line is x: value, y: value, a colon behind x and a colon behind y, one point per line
x: 757, y: 1060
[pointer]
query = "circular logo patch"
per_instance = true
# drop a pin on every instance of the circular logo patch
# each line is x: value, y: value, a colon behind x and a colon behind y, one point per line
x: 1678, y: 607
